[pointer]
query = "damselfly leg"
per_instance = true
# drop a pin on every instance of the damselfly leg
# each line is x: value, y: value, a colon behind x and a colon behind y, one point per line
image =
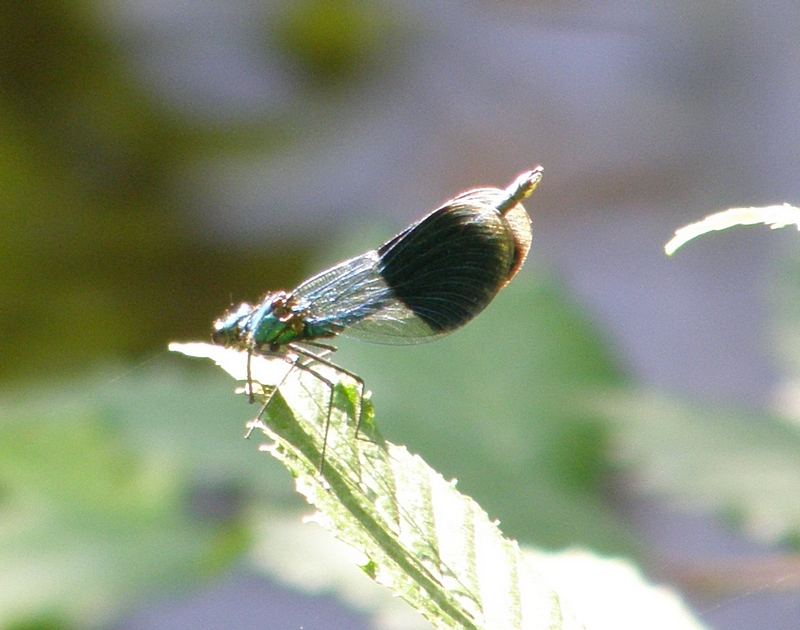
x: 306, y: 360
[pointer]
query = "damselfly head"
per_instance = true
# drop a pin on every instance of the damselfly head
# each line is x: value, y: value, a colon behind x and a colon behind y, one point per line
x: 231, y: 329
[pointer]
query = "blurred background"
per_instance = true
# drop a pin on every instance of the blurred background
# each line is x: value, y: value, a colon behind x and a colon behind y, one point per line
x: 161, y: 160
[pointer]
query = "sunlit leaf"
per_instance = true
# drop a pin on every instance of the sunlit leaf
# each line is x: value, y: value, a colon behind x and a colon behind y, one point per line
x: 413, y: 531
x: 774, y: 216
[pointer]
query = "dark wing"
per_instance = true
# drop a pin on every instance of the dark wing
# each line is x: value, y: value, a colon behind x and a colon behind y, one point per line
x: 440, y: 273
x: 449, y: 266
x: 433, y: 277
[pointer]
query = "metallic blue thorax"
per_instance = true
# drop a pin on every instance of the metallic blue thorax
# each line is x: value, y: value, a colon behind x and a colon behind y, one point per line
x: 279, y: 320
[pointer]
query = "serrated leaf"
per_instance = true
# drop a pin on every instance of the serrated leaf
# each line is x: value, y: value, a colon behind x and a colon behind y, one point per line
x: 432, y: 546
x: 416, y: 534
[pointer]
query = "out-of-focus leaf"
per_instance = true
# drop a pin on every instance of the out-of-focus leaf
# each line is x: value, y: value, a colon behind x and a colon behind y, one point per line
x: 331, y: 42
x: 611, y: 594
x: 785, y: 337
x: 88, y: 523
x: 709, y: 461
x: 120, y: 486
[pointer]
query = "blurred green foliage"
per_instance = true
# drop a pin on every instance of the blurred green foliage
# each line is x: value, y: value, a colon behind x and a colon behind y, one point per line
x: 126, y: 485
x: 96, y: 510
x: 96, y: 257
x: 333, y: 43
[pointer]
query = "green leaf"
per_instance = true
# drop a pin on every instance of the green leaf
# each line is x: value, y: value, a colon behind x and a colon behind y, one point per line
x: 785, y: 334
x: 132, y: 483
x: 88, y: 523
x: 433, y: 546
x: 608, y: 593
x: 774, y: 216
x: 709, y: 461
